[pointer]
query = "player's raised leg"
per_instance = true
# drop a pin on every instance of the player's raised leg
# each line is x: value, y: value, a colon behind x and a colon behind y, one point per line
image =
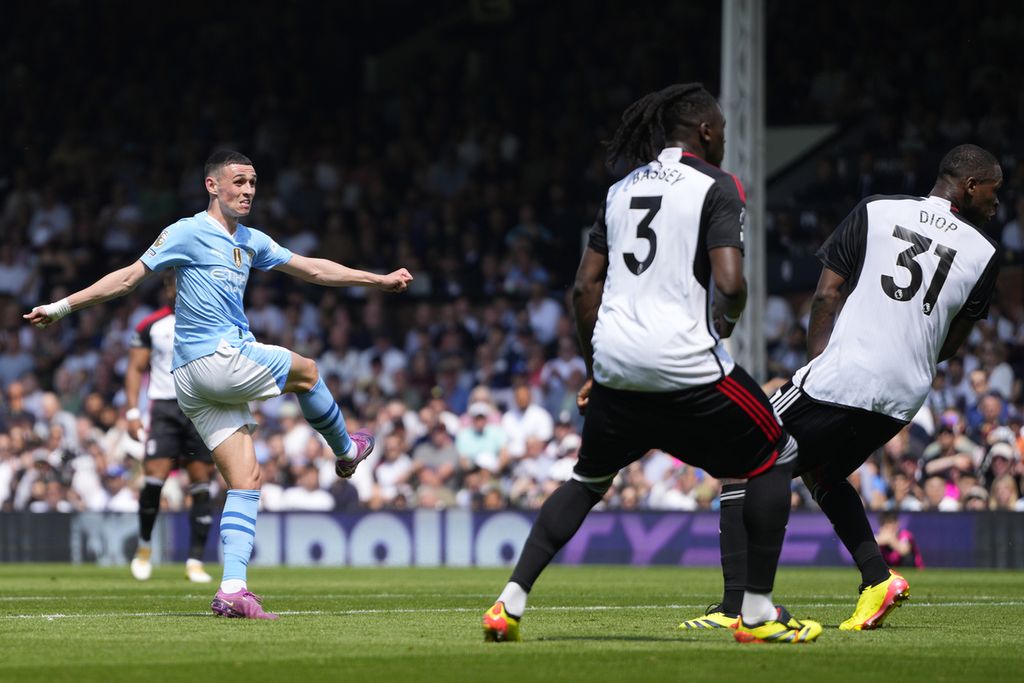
x: 325, y: 416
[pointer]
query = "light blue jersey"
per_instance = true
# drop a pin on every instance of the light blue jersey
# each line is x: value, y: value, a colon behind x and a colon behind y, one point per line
x: 212, y: 270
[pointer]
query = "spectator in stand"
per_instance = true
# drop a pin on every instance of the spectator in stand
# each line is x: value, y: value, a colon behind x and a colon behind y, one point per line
x: 991, y: 413
x: 1013, y: 232
x: 992, y: 354
x: 1006, y: 495
x: 899, y: 549
x: 904, y: 496
x: 525, y: 420
x: 482, y: 446
x: 307, y: 494
x: 393, y: 471
x: 1000, y: 461
x: 435, y: 461
x: 950, y: 452
x: 937, y: 496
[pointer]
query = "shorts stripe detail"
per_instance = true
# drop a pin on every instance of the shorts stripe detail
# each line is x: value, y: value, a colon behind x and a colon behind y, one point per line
x: 236, y: 527
x: 757, y: 405
x: 239, y: 515
x: 732, y: 495
x: 782, y: 402
x: 789, y: 451
x: 764, y: 467
x: 758, y: 418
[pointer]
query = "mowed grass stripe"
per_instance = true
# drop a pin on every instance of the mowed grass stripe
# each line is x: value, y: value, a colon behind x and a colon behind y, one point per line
x: 590, y: 624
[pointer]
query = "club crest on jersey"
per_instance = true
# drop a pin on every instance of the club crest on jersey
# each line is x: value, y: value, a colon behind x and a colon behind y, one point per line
x: 237, y: 254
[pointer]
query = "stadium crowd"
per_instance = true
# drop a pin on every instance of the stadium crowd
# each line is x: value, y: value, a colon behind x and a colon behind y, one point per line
x: 469, y: 380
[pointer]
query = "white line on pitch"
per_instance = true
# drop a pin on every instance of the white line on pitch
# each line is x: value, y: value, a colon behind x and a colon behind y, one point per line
x: 445, y: 610
x: 193, y: 596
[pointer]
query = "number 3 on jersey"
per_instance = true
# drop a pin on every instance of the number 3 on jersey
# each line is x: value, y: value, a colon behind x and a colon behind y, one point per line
x: 643, y: 231
x: 907, y: 260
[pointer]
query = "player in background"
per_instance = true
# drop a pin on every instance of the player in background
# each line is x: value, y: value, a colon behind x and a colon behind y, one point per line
x: 172, y: 441
x: 218, y: 365
x: 904, y: 280
x: 659, y: 285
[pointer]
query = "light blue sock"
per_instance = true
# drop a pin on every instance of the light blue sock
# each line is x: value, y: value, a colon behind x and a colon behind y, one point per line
x: 238, y: 532
x: 324, y: 415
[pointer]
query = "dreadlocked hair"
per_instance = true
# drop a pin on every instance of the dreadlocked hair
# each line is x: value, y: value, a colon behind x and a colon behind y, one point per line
x: 648, y: 122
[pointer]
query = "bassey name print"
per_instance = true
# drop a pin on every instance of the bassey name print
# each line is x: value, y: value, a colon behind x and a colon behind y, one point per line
x: 666, y: 175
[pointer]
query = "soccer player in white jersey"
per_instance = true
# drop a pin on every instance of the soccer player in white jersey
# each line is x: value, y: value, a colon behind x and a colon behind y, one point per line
x: 903, y: 282
x: 659, y: 285
x: 218, y: 366
x: 172, y: 439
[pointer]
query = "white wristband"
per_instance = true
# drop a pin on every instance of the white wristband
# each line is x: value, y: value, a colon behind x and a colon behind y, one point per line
x: 57, y: 309
x: 132, y: 414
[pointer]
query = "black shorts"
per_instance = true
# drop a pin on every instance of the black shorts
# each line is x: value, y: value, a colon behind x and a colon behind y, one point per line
x: 172, y: 435
x: 726, y: 428
x: 834, y: 440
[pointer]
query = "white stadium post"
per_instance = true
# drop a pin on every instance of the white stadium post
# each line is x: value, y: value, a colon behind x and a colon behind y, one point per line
x: 742, y: 99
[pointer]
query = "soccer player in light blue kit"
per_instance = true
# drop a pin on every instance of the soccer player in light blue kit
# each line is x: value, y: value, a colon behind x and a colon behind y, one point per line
x: 218, y: 365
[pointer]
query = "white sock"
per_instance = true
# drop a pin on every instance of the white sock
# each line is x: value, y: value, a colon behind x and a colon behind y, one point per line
x: 232, y: 585
x: 514, y: 598
x: 757, y: 608
x: 191, y: 562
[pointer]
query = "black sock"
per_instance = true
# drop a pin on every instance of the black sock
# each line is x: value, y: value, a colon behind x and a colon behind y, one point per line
x: 765, y: 513
x: 560, y: 517
x: 732, y: 541
x: 199, y: 519
x: 149, y: 507
x: 845, y: 510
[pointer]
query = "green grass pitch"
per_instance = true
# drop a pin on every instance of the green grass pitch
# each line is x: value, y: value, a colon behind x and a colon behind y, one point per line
x: 65, y: 623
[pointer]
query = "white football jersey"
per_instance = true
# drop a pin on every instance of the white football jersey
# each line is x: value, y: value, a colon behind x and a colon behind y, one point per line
x: 913, y: 265
x: 156, y: 333
x: 654, y: 328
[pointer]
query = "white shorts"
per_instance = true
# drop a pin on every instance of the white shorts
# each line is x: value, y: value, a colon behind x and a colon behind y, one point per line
x: 214, y: 391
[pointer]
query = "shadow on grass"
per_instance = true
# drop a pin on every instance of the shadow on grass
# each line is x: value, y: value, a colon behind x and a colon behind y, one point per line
x: 626, y: 639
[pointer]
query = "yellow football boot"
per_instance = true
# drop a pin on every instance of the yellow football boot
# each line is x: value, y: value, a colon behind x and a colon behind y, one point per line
x: 499, y: 626
x: 876, y: 602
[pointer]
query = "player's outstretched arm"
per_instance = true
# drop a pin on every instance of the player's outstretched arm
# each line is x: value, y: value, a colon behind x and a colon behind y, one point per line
x: 110, y: 286
x: 138, y: 363
x: 328, y: 273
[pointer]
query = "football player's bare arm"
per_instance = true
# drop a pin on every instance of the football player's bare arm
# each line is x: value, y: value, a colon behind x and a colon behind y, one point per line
x: 730, y: 288
x: 331, y: 274
x: 828, y: 297
x: 959, y: 329
x: 586, y: 301
x: 110, y: 286
x: 138, y: 364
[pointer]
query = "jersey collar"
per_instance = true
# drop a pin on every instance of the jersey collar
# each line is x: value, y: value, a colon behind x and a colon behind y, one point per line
x: 670, y: 155
x: 941, y: 201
